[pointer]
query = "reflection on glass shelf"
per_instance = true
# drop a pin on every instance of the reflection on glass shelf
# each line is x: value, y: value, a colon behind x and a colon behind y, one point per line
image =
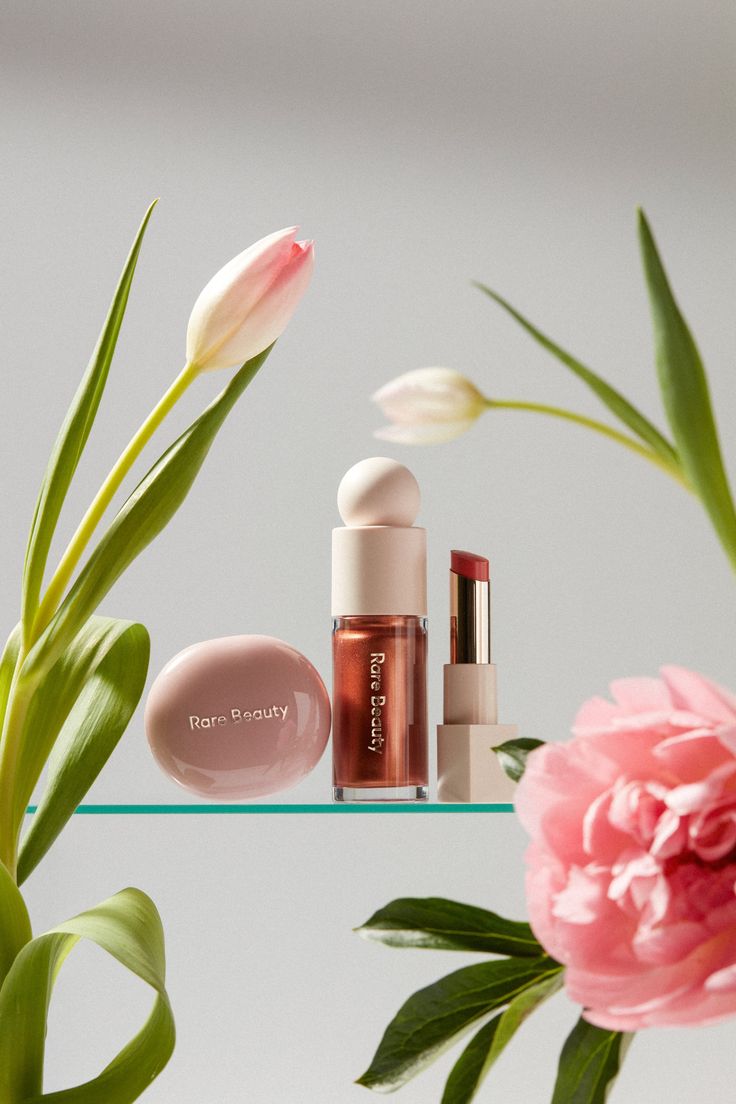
x: 362, y: 807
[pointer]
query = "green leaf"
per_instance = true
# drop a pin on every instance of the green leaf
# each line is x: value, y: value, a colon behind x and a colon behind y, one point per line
x: 78, y: 715
x: 433, y: 1018
x: 468, y: 1073
x: 141, y: 518
x: 128, y: 927
x: 15, y: 925
x: 684, y: 386
x: 609, y: 396
x: 475, y: 1062
x: 589, y: 1064
x: 8, y: 663
x: 514, y: 753
x: 72, y: 439
x: 439, y: 924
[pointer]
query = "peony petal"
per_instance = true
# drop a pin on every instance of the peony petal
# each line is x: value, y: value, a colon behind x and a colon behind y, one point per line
x: 668, y: 944
x: 699, y: 695
x: 594, y: 715
x: 641, y: 695
x: 726, y: 735
x: 691, y: 755
x: 601, y: 839
x: 580, y: 901
x: 670, y: 836
x: 722, y: 981
x: 558, y: 785
x: 694, y: 796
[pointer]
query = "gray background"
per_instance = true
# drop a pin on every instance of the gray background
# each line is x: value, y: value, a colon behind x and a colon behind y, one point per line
x: 421, y: 145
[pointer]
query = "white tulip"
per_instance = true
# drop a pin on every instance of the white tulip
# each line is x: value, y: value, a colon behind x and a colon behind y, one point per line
x: 428, y: 406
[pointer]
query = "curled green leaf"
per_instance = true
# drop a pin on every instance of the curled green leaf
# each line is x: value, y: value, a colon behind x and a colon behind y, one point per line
x: 128, y: 927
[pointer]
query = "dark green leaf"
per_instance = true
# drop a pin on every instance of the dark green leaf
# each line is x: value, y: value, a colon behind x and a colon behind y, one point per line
x: 439, y: 924
x: 15, y: 925
x: 475, y: 1062
x: 514, y: 753
x: 589, y: 1064
x: 468, y: 1073
x: 128, y: 927
x: 433, y: 1018
x: 614, y: 400
x: 686, y: 397
x: 141, y: 518
x: 81, y: 710
x: 72, y: 439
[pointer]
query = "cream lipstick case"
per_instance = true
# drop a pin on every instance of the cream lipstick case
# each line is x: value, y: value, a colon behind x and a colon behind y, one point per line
x: 467, y: 768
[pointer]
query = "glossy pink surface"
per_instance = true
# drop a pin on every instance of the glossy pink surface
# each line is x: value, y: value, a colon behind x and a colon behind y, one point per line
x: 238, y: 717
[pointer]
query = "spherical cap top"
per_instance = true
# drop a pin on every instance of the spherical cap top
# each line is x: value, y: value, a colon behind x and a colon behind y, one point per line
x: 378, y: 491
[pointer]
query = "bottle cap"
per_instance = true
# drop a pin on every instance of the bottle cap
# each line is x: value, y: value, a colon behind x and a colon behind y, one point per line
x: 379, y: 558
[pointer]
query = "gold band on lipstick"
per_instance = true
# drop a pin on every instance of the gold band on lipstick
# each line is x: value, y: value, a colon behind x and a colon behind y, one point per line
x: 470, y: 620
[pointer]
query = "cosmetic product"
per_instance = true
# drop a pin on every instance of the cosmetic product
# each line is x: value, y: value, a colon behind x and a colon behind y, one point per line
x: 238, y: 717
x: 467, y: 768
x: 379, y: 608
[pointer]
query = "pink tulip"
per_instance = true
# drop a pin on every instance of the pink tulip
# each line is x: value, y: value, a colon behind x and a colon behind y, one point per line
x: 249, y: 302
x: 631, y: 877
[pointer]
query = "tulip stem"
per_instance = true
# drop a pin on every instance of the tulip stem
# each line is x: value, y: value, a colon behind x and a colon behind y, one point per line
x: 672, y: 469
x: 102, y: 499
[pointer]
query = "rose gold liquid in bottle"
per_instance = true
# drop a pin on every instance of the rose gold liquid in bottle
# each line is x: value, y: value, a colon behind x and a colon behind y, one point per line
x: 379, y: 607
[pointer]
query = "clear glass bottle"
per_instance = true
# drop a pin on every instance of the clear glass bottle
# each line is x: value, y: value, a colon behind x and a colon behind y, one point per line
x: 379, y: 609
x: 379, y: 711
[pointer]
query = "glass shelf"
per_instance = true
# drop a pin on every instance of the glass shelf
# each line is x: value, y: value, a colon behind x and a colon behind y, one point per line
x: 357, y: 808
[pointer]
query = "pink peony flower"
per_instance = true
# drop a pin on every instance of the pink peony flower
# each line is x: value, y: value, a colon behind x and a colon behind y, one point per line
x: 631, y: 879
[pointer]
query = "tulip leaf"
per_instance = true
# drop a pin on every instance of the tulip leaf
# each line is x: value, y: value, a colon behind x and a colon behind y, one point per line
x: 128, y: 927
x: 141, y: 518
x: 589, y: 1064
x: 439, y: 924
x: 72, y: 438
x: 8, y: 663
x: 514, y: 753
x: 684, y: 386
x: 435, y: 1017
x: 476, y: 1060
x: 609, y: 396
x: 15, y: 925
x: 78, y: 714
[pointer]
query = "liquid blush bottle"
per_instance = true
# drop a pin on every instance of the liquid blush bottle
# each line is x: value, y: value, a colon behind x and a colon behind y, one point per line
x: 379, y: 606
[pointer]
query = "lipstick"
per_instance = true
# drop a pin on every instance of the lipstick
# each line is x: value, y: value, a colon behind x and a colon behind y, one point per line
x: 467, y: 768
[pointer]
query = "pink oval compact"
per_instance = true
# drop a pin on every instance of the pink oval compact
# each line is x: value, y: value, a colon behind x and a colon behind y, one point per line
x: 238, y: 717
